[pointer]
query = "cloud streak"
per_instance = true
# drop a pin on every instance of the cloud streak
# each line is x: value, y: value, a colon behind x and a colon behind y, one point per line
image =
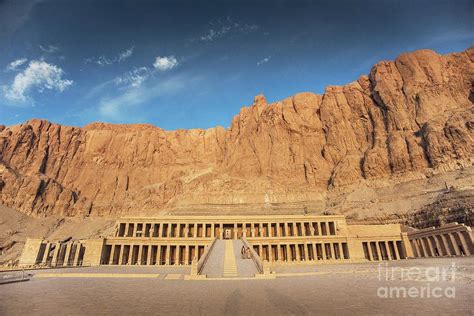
x: 116, y: 107
x: 133, y: 78
x: 264, y: 61
x: 225, y: 28
x: 49, y: 48
x: 105, y: 61
x: 14, y: 65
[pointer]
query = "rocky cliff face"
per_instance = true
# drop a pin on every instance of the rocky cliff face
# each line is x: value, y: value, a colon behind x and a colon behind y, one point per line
x: 406, y: 119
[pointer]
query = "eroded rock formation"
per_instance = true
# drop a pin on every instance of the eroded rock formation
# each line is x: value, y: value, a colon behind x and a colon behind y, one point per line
x: 407, y: 118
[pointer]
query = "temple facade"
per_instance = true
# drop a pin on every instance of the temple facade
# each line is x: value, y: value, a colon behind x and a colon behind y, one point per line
x: 275, y: 240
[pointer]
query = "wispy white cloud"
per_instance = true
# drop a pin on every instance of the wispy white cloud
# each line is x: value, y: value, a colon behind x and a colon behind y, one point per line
x: 14, y: 65
x: 125, y: 54
x: 133, y: 78
x: 119, y: 106
x: 165, y: 63
x: 264, y: 61
x: 226, y: 27
x: 39, y: 76
x: 104, y: 60
x: 49, y: 48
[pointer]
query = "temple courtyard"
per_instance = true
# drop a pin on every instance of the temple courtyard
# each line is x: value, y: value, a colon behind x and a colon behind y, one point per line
x: 421, y: 286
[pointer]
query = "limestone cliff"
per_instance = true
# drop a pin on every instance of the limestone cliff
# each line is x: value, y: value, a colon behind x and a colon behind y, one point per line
x: 408, y: 118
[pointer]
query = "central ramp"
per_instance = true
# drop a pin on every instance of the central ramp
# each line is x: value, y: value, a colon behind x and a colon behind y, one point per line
x: 230, y: 266
x: 225, y: 260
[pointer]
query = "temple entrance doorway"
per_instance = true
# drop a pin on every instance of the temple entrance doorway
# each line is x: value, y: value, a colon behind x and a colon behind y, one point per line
x: 227, y: 233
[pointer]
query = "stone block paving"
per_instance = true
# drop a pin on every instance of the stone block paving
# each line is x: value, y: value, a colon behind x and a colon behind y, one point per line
x: 334, y: 293
x: 214, y: 266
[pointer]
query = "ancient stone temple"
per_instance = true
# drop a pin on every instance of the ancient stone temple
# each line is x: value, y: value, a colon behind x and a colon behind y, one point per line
x: 275, y: 240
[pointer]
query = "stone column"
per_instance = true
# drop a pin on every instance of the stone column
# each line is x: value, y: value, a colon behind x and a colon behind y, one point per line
x: 269, y: 225
x: 438, y: 245
x: 278, y: 234
x: 235, y: 234
x: 419, y: 248
x: 311, y: 228
x: 221, y: 232
x: 120, y: 258
x: 377, y: 252
x: 148, y: 256
x: 139, y: 256
x: 168, y: 230
x: 430, y: 245
x: 297, y: 250
x: 55, y: 254
x: 446, y: 245
x: 167, y: 255
x: 195, y: 230
x: 414, y: 246
x: 423, y: 247
x: 464, y: 244
x: 270, y: 253
x: 339, y: 250
x: 127, y: 227
x: 76, y: 255
x: 323, y: 248
x: 134, y: 230
x: 186, y: 230
x: 439, y: 241
x: 279, y: 252
x: 315, y: 255
x: 369, y: 251
x: 295, y: 229
x: 46, y: 253
x: 213, y: 230
x: 66, y: 256
x: 186, y: 254
x: 455, y: 244
x: 395, y: 252
x: 305, y: 246
x: 285, y: 229
x: 321, y: 228
x: 112, y: 254
x: 159, y: 230
x: 260, y: 230
x: 379, y: 248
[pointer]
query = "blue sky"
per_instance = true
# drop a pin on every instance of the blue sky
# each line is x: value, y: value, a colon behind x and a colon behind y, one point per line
x: 194, y: 64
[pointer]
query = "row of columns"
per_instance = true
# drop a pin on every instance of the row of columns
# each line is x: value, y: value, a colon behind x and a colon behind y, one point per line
x: 68, y: 254
x: 302, y: 251
x: 165, y: 230
x: 447, y: 244
x: 383, y: 250
x: 286, y: 229
x: 152, y: 254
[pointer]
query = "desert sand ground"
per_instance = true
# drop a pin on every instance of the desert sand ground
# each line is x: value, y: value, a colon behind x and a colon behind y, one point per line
x: 324, y: 289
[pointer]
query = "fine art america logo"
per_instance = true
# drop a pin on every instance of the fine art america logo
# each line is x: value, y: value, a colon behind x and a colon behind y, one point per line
x: 434, y: 282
